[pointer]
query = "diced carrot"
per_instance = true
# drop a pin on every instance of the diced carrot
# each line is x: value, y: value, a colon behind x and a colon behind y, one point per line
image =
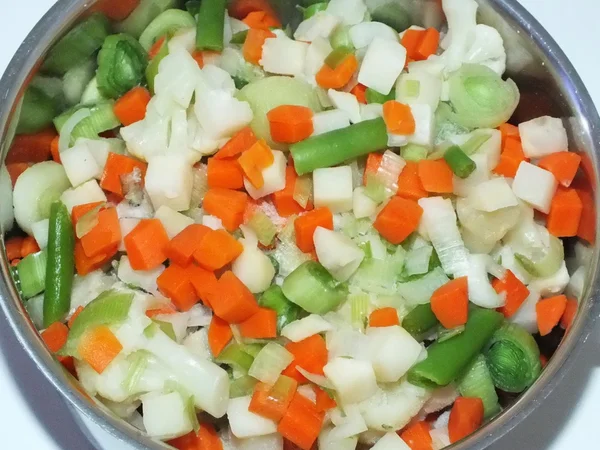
x: 302, y: 422
x: 290, y: 123
x: 253, y: 44
x: 324, y: 401
x: 131, y: 107
x: 417, y: 436
x: 74, y: 316
x: 372, y: 165
x: 272, y: 401
x: 384, y: 317
x: 198, y: 56
x: 563, y: 165
x: 511, y: 158
x: 429, y: 44
x: 217, y: 249
x: 549, y: 312
x: 219, y: 335
x: 409, y: 183
x: 79, y: 211
x: 450, y: 303
x: 175, y: 283
x: 181, y: 248
x: 570, y: 313
x: 98, y: 347
x: 13, y: 247
x: 85, y: 265
x: 509, y: 131
x: 466, y: 417
x: 240, y: 142
x: 117, y: 166
x: 206, y: 439
x: 241, y: 8
x: 15, y: 262
x: 31, y: 148
x: 587, y: 224
x: 565, y: 213
x: 306, y: 225
x: 224, y: 173
x: 516, y: 293
x: 360, y: 92
x: 156, y: 47
x: 284, y: 200
x: 205, y: 284
x: 398, y: 219
x: 15, y: 170
x: 254, y: 160
x: 262, y: 325
x: 116, y: 10
x: 337, y: 78
x: 55, y: 336
x: 309, y: 354
x: 436, y: 176
x: 29, y: 246
x: 411, y: 39
x: 234, y: 302
x: 146, y: 245
x: 226, y: 204
x: 398, y: 118
x: 160, y: 311
x: 105, y: 235
x: 54, y: 150
x: 261, y: 20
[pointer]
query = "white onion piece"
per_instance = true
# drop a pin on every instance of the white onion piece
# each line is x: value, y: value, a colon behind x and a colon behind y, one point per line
x: 64, y: 140
x: 481, y: 292
x: 319, y: 380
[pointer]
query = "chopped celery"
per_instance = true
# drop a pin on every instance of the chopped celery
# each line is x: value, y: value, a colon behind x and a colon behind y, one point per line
x: 152, y: 68
x: 242, y: 386
x: 311, y: 10
x: 459, y: 162
x: 122, y: 62
x: 32, y: 274
x: 418, y: 260
x: 270, y: 362
x: 340, y: 38
x: 236, y: 356
x: 166, y: 24
x: 287, y: 312
x: 91, y: 95
x: 264, y: 227
x: 413, y: 152
x: 375, y: 188
x: 141, y: 16
x: 477, y: 382
x: 139, y: 362
x: 303, y: 191
x: 375, y: 97
x: 475, y: 142
x: 359, y: 304
x: 419, y: 291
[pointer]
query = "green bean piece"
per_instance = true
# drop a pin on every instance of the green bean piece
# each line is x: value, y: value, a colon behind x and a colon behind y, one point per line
x: 459, y: 162
x: 211, y: 22
x: 287, y: 312
x: 60, y: 268
x: 335, y: 147
x: 377, y: 97
x: 193, y: 7
x: 447, y: 360
x: 420, y: 320
x: 37, y: 111
x: 121, y: 65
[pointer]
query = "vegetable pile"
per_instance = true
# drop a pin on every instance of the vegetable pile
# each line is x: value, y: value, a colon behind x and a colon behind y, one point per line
x: 239, y: 236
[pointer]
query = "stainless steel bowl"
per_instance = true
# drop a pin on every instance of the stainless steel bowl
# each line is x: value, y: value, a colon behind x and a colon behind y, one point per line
x: 548, y: 84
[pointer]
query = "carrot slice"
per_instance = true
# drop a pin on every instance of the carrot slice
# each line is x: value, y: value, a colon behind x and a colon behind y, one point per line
x: 466, y: 417
x: 235, y: 303
x: 570, y: 313
x: 105, y: 235
x: 290, y: 123
x: 146, y: 245
x: 261, y: 325
x: 219, y: 335
x: 430, y: 41
x: 273, y: 401
x: 116, y: 167
x: 226, y: 204
x: 398, y: 118
x: 563, y: 165
x: 15, y: 170
x: 116, y: 9
x: 29, y: 246
x: 31, y: 148
x: 254, y: 160
x: 240, y: 142
x: 516, y: 293
x: 417, y: 436
x: 224, y: 173
x: 309, y: 354
x: 217, y: 249
x: 252, y: 49
x: 181, y: 248
x: 241, y: 8
x: 261, y: 20
x: 372, y: 166
x: 587, y: 224
x: 384, y: 317
x: 565, y: 213
x: 306, y: 225
x: 302, y: 422
x: 55, y: 336
x: 337, y: 78
x: 131, y: 107
x: 175, y: 283
x: 99, y: 347
x: 450, y: 303
x: 511, y: 157
x: 13, y: 247
x: 409, y: 183
x: 324, y: 401
x: 85, y: 265
x: 74, y: 316
x: 284, y: 200
x: 436, y: 176
x: 360, y: 92
x: 398, y: 219
x: 205, y: 284
x: 206, y: 439
x: 79, y: 211
x: 549, y: 312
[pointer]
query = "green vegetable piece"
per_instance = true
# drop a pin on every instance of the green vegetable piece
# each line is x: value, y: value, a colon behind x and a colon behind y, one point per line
x: 447, y: 360
x: 240, y: 83
x: 313, y: 288
x: 513, y: 358
x: 376, y: 97
x: 77, y: 79
x: 311, y: 10
x: 340, y: 38
x: 477, y: 382
x: 135, y: 24
x: 239, y: 37
x: 338, y: 146
x: 37, y: 111
x: 392, y: 13
x: 264, y: 227
x: 459, y: 162
x: 444, y: 334
x: 338, y: 55
x: 166, y: 24
x: 211, y: 22
x: 139, y: 363
x: 167, y: 328
x: 242, y: 386
x: 152, y: 69
x: 548, y: 263
x: 77, y: 45
x: 413, y: 152
x: 31, y: 274
x: 121, y: 65
x: 193, y: 7
x: 375, y: 188
x: 102, y: 118
x: 420, y: 320
x: 287, y: 312
x: 109, y: 308
x: 235, y: 355
x: 60, y: 268
x: 475, y: 142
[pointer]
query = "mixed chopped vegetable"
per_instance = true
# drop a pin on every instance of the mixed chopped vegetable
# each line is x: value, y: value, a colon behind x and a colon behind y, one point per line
x: 237, y: 235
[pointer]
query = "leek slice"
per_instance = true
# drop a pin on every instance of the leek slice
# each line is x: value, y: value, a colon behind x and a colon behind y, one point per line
x: 477, y: 382
x: 122, y: 62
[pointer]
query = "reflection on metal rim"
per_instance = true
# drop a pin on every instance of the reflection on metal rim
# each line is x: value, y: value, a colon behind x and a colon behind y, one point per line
x: 574, y: 94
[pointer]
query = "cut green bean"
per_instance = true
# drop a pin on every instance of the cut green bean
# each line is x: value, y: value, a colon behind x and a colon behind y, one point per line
x: 459, y: 162
x: 338, y: 146
x: 193, y: 7
x: 447, y: 360
x: 167, y: 24
x: 211, y: 22
x: 60, y: 268
x: 377, y: 97
x: 287, y: 312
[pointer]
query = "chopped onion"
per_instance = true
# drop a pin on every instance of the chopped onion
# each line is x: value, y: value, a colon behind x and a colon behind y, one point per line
x: 417, y: 260
x: 481, y: 292
x: 88, y: 221
x: 200, y: 186
x: 389, y: 170
x: 270, y: 362
x: 303, y: 190
x: 304, y: 328
x: 319, y: 380
x: 419, y: 291
x: 199, y: 316
x: 350, y: 425
x: 64, y: 141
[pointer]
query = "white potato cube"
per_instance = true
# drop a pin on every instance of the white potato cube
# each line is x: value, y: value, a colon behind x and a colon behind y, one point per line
x: 145, y: 279
x: 220, y: 114
x: 253, y: 268
x: 362, y: 205
x: 353, y: 380
x: 424, y: 125
x: 535, y: 185
x: 89, y: 192
x: 337, y: 253
x: 316, y: 53
x: 390, y: 441
x: 79, y: 164
x: 371, y: 111
x: 169, y: 180
x: 331, y: 120
x: 165, y: 415
x: 40, y: 232
x: 383, y: 63
x: 427, y: 87
x: 346, y: 102
x: 173, y: 221
x: 393, y: 352
x: 274, y: 177
x: 126, y: 224
x: 284, y: 56
x: 493, y: 195
x: 333, y: 188
x: 350, y: 12
x: 363, y: 34
x: 245, y: 424
x: 321, y: 25
x: 543, y: 136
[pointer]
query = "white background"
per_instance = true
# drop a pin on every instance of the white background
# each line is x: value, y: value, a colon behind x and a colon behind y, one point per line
x: 32, y: 415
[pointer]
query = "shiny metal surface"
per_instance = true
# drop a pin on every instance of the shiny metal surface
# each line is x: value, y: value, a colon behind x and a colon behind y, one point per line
x: 548, y: 84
